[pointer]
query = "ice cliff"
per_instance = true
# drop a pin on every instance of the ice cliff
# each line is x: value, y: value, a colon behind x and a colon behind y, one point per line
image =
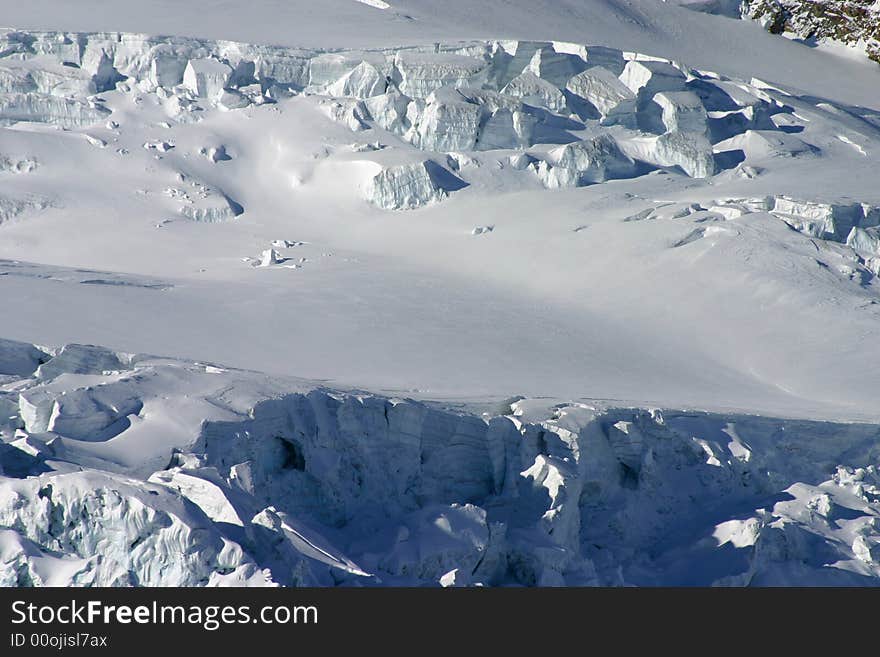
x: 322, y: 487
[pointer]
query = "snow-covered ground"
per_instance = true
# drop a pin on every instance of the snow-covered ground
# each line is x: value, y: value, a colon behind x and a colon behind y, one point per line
x: 521, y: 248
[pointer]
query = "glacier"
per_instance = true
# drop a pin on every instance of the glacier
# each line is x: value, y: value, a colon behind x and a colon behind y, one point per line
x: 434, y: 312
x: 328, y: 487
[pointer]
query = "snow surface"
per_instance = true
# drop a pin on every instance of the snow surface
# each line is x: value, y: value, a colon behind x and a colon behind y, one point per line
x: 521, y: 248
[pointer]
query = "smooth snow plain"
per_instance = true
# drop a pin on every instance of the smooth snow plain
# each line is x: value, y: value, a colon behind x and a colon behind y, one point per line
x: 562, y: 312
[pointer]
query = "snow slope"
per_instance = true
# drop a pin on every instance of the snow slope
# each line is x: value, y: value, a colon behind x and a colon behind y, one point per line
x: 851, y: 26
x: 514, y: 245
